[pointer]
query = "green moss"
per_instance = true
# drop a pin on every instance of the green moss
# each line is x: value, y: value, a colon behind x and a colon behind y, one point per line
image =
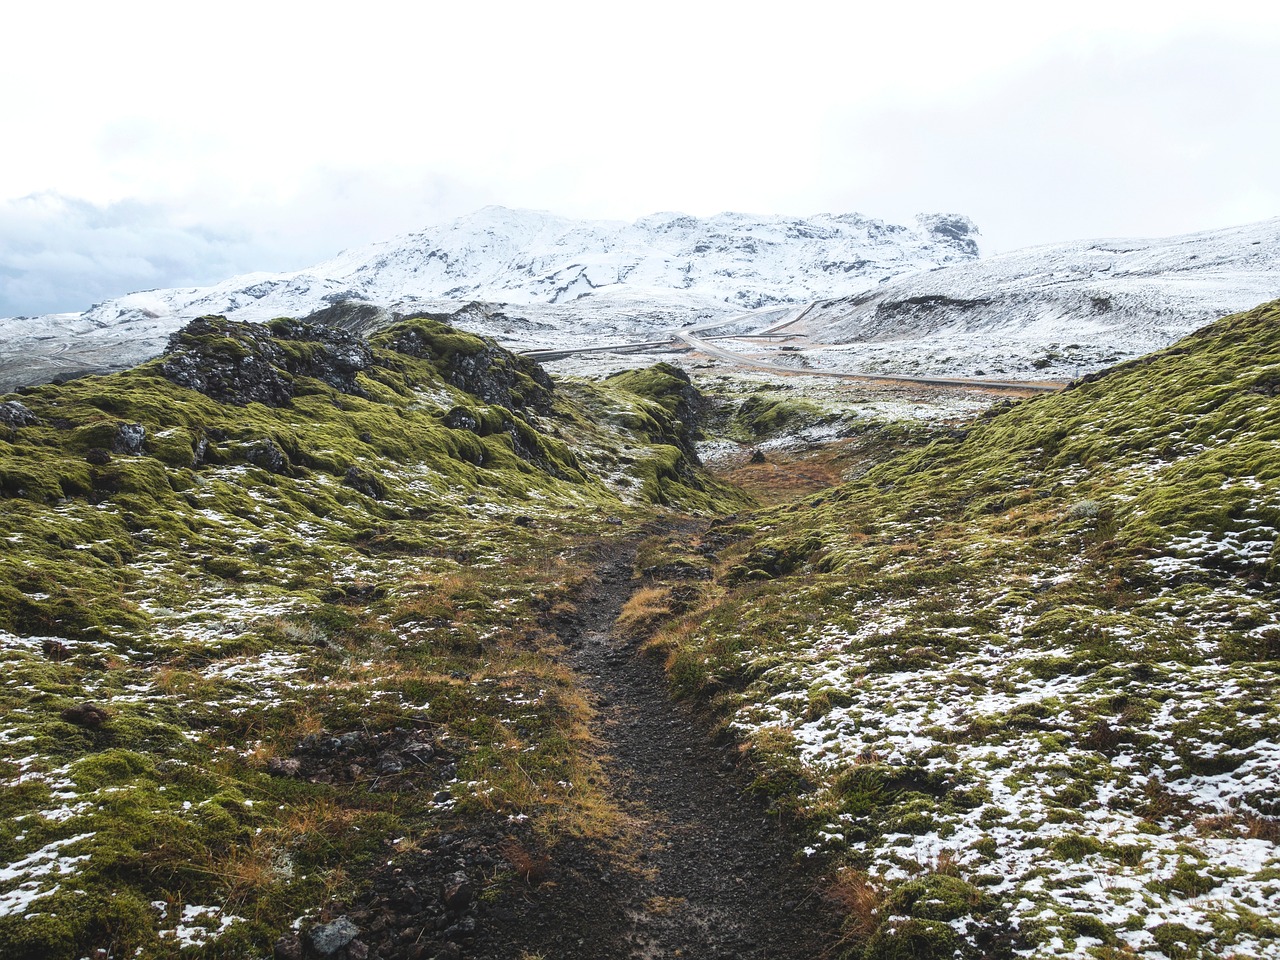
x: 914, y: 940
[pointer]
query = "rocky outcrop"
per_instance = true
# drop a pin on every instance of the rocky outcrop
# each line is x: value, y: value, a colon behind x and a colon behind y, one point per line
x: 953, y: 230
x: 474, y: 364
x: 243, y: 363
x: 672, y: 388
x: 14, y: 415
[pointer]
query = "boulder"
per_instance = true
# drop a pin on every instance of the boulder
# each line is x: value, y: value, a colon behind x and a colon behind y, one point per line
x: 14, y: 415
x: 328, y: 938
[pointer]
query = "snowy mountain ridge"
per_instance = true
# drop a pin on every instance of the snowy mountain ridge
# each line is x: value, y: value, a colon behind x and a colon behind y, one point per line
x: 1051, y: 311
x: 531, y: 257
x: 662, y: 268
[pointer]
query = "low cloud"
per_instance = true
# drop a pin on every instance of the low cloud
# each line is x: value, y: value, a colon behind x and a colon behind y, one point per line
x: 60, y: 254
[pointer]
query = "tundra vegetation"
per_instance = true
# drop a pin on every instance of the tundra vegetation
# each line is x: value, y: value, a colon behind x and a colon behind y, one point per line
x: 274, y: 611
x: 1019, y: 684
x: 277, y: 613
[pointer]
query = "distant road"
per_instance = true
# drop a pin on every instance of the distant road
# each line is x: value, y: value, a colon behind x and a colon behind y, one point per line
x: 688, y: 338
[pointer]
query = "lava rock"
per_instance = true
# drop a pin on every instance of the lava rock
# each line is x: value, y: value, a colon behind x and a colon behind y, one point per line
x: 327, y: 939
x: 460, y: 418
x: 389, y: 764
x: 14, y: 415
x: 288, y: 947
x: 129, y: 438
x: 363, y: 482
x: 479, y: 366
x: 457, y: 892
x: 243, y: 363
x: 265, y: 453
x: 422, y: 752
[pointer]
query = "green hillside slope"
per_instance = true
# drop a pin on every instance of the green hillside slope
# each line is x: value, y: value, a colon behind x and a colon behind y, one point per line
x: 1023, y: 683
x: 274, y: 615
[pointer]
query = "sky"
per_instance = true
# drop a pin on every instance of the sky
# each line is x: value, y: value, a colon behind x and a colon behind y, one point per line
x: 158, y: 144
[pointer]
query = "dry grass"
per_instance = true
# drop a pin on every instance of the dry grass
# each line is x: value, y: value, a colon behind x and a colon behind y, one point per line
x: 858, y: 900
x: 788, y: 477
x: 642, y: 613
x: 532, y: 868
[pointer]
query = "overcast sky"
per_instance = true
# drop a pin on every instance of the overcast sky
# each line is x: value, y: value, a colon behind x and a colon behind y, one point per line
x: 163, y: 144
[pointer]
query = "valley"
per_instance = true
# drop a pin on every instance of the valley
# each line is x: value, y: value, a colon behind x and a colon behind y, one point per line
x: 356, y: 634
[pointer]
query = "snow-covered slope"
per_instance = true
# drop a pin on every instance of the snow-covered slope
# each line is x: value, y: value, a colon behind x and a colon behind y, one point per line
x: 1048, y: 311
x: 584, y: 278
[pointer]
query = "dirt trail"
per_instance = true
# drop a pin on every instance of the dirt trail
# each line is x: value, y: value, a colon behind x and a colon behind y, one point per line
x: 717, y: 876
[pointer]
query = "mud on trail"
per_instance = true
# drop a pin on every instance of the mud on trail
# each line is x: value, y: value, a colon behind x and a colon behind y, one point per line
x: 700, y: 870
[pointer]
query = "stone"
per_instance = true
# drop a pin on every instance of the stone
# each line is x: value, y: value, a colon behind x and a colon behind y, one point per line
x: 86, y: 715
x: 457, y: 892
x: 266, y: 454
x: 284, y: 767
x: 460, y: 418
x: 242, y: 363
x: 364, y: 482
x: 14, y: 415
x: 129, y: 438
x: 389, y: 763
x: 327, y: 939
x: 288, y: 948
x: 419, y: 751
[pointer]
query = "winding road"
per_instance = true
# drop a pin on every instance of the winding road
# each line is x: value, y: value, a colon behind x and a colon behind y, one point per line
x: 689, y: 337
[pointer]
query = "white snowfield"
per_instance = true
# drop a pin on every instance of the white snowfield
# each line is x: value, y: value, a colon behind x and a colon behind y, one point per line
x: 1047, y: 311
x: 889, y: 298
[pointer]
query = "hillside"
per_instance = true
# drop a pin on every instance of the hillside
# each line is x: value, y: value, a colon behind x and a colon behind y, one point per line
x: 329, y: 645
x: 1022, y: 683
x: 1052, y: 312
x: 277, y: 613
x: 564, y: 279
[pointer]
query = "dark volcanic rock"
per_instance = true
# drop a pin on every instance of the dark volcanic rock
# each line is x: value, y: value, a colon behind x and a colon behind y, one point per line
x: 364, y: 482
x: 86, y: 715
x: 266, y: 453
x: 351, y: 314
x: 229, y: 361
x: 476, y: 364
x: 327, y: 939
x: 129, y: 438
x: 242, y: 363
x: 14, y: 414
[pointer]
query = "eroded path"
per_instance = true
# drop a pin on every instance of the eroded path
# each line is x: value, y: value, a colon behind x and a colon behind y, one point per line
x: 701, y: 871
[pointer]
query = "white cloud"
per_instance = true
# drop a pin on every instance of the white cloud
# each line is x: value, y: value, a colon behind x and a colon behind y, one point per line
x: 271, y: 135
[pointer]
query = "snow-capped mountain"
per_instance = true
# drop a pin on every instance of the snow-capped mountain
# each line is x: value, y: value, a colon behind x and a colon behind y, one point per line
x: 1049, y: 311
x: 592, y: 278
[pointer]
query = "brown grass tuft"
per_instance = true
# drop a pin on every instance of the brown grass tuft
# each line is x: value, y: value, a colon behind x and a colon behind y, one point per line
x: 645, y: 609
x: 858, y: 900
x: 532, y: 868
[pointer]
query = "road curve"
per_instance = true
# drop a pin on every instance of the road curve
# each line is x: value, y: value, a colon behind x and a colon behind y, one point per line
x: 689, y: 337
x: 1036, y: 386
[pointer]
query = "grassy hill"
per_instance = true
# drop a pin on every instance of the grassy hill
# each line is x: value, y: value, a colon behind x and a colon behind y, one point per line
x: 1022, y: 683
x: 275, y: 615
